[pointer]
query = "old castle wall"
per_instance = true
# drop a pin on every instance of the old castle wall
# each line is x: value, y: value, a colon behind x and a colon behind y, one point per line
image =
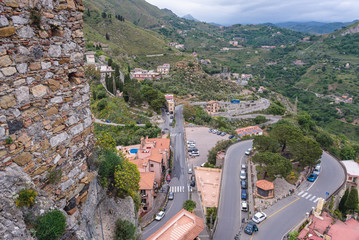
x: 44, y: 98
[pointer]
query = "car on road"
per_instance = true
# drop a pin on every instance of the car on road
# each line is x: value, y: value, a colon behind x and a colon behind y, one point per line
x: 244, y: 167
x: 189, y: 170
x: 210, y: 130
x: 168, y: 113
x: 243, y: 184
x: 259, y: 217
x: 159, y: 215
x: 171, y: 117
x: 191, y: 145
x: 244, y: 194
x: 194, y: 154
x: 223, y: 134
x: 171, y: 196
x: 219, y: 133
x: 192, y: 149
x: 312, y: 177
x: 191, y: 142
x: 230, y: 136
x: 317, y: 169
x: 250, y: 228
x: 214, y: 131
x: 248, y: 152
x: 193, y: 183
x: 108, y: 121
x: 243, y: 175
x: 244, y: 206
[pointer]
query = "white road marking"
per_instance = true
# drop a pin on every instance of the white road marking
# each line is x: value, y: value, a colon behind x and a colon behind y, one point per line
x: 305, y: 194
x: 312, y: 198
x: 308, y: 196
x: 316, y: 200
x: 300, y: 193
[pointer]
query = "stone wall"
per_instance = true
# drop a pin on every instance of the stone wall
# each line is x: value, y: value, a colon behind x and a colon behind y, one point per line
x: 45, y: 116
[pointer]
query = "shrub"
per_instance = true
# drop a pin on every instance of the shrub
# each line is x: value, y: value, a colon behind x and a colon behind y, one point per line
x: 26, y: 198
x: 9, y: 140
x: 101, y: 105
x: 54, y: 175
x: 51, y: 225
x: 189, y: 205
x: 125, y: 230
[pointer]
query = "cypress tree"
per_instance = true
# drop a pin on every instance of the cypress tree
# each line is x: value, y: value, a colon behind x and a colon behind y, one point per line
x: 352, y: 201
x: 343, y: 200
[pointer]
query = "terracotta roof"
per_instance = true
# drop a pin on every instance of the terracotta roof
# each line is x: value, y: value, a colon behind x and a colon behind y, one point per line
x: 183, y: 226
x: 248, y: 130
x: 156, y: 157
x: 140, y: 163
x: 146, y: 180
x: 265, y: 185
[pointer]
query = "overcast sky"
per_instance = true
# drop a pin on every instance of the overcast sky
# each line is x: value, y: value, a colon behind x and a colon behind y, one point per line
x: 261, y: 11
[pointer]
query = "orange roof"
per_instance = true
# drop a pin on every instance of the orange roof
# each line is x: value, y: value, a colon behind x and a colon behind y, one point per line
x: 211, y: 102
x: 156, y: 157
x: 140, y: 163
x: 183, y: 226
x: 265, y: 185
x: 248, y: 130
x: 146, y: 180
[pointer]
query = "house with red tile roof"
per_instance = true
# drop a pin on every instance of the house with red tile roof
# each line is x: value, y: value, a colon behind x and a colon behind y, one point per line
x: 249, y: 131
x: 183, y: 226
x: 325, y: 227
x: 147, y: 180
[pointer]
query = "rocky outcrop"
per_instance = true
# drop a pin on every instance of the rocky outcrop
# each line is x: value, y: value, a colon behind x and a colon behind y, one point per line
x: 351, y: 30
x: 45, y: 116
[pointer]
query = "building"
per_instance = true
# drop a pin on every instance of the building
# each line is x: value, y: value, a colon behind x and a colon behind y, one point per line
x: 147, y: 180
x: 179, y: 46
x: 246, y: 77
x: 170, y: 103
x: 235, y: 75
x: 209, y: 185
x: 212, y: 107
x: 234, y: 43
x: 249, y: 131
x: 164, y: 69
x: 90, y: 57
x: 264, y: 189
x: 141, y: 74
x: 182, y: 226
x: 106, y: 70
x: 325, y: 227
x: 352, y: 168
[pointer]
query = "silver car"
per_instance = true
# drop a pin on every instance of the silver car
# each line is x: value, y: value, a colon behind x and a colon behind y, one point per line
x: 243, y: 175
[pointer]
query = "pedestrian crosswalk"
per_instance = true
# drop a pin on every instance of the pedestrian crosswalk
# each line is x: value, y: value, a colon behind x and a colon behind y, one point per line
x: 176, y: 189
x: 308, y: 196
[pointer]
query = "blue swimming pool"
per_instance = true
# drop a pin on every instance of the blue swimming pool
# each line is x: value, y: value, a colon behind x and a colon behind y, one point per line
x: 133, y: 150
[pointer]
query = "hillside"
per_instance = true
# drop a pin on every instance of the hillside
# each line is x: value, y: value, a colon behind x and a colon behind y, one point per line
x: 313, y: 27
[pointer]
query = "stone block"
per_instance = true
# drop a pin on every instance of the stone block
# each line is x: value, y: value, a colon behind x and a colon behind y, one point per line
x: 22, y: 158
x: 40, y: 170
x: 34, y: 66
x: 11, y: 3
x: 5, y: 61
x: 45, y: 65
x: 3, y: 153
x: 2, y: 132
x: 7, y: 31
x: 54, y: 51
x: 76, y: 57
x: 77, y: 129
x: 53, y: 85
x: 7, y: 101
x: 25, y: 32
x: 67, y: 184
x: 57, y: 99
x: 21, y: 68
x: 39, y: 91
x: 22, y: 94
x: 72, y: 211
x: 19, y: 20
x: 52, y: 111
x: 9, y: 71
x: 58, y: 128
x: 71, y: 4
x: 58, y: 139
x: 43, y: 34
x: 3, y: 21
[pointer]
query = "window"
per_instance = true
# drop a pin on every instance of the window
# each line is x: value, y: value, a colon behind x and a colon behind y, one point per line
x: 144, y: 201
x: 145, y: 208
x: 350, y: 178
x: 151, y: 165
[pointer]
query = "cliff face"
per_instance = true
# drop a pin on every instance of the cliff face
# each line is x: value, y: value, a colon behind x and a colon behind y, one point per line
x: 45, y: 116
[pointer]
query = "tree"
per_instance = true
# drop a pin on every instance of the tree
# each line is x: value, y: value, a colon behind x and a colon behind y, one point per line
x: 104, y: 15
x: 107, y: 37
x: 284, y: 132
x: 341, y: 206
x: 324, y: 139
x: 260, y: 119
x: 88, y: 12
x: 275, y: 164
x: 189, y: 205
x: 109, y: 161
x: 305, y: 121
x: 266, y: 143
x: 352, y: 201
x: 305, y: 150
x: 347, y: 152
x: 51, y: 225
x: 125, y: 230
x: 127, y: 178
x: 189, y: 112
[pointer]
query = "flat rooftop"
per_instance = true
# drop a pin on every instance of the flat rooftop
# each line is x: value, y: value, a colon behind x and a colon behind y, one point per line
x: 208, y: 184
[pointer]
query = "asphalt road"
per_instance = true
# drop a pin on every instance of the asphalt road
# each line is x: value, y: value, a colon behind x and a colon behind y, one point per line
x: 288, y: 213
x: 179, y: 175
x: 229, y: 211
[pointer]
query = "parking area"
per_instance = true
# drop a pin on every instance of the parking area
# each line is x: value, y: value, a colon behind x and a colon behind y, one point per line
x: 204, y: 142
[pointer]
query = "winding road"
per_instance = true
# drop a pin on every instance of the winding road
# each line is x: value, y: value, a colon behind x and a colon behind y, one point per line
x: 282, y: 216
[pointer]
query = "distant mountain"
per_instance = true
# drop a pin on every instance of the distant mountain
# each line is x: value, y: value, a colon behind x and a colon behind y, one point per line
x: 168, y: 12
x: 312, y: 27
x: 190, y: 17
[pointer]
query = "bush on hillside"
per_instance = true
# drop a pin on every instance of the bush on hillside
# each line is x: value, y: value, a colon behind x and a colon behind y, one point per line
x: 125, y: 230
x: 51, y: 225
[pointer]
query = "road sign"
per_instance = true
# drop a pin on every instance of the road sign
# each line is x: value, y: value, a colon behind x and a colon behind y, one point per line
x: 327, y: 193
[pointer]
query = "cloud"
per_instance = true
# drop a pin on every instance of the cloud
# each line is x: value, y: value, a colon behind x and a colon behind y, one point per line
x: 260, y: 11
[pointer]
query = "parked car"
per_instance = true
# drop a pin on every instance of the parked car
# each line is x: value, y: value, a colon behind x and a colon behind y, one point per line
x: 317, y: 169
x: 108, y: 121
x: 171, y: 196
x: 223, y: 134
x: 312, y: 177
x: 230, y: 136
x: 248, y: 152
x: 193, y: 183
x: 243, y: 184
x: 191, y: 142
x: 259, y: 217
x: 244, y: 167
x: 243, y: 175
x: 244, y: 206
x: 250, y: 228
x: 160, y: 215
x: 171, y: 117
x: 192, y: 149
x: 210, y: 130
x: 191, y: 145
x: 194, y: 154
x: 215, y: 131
x: 244, y: 194
x: 189, y: 170
x: 219, y: 133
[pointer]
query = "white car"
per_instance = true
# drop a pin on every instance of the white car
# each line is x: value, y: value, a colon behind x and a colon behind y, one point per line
x: 243, y: 175
x: 194, y: 154
x: 202, y: 165
x: 189, y: 170
x: 317, y: 169
x: 191, y: 142
x: 259, y: 217
x: 244, y: 167
x: 160, y: 215
x: 191, y: 145
x: 248, y: 151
